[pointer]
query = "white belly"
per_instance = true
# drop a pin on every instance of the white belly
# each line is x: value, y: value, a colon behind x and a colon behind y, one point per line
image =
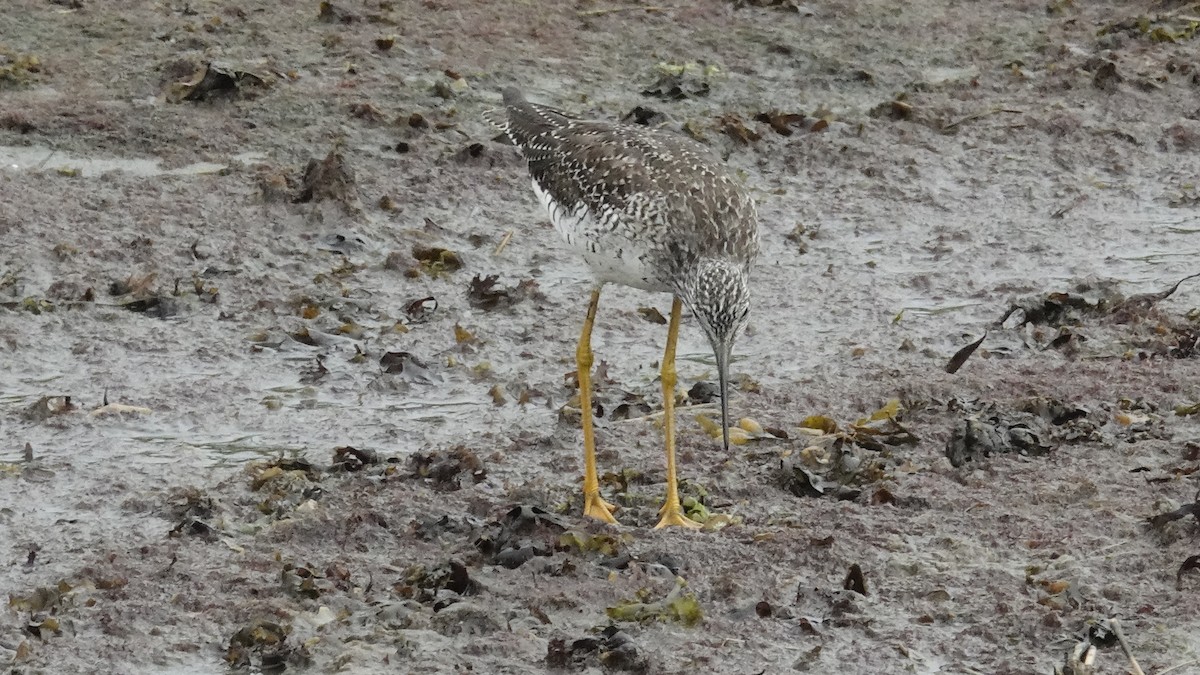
x: 611, y: 256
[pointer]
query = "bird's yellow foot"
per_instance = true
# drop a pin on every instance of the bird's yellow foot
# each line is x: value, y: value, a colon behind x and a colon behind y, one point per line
x: 595, y: 507
x: 672, y: 516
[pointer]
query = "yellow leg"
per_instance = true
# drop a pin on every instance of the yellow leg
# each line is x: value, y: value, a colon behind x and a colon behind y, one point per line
x: 671, y: 512
x: 593, y: 505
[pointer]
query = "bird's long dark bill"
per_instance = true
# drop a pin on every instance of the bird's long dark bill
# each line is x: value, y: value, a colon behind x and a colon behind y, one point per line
x: 722, y: 354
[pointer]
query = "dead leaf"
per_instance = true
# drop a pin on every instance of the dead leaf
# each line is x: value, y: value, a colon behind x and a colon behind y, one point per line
x: 676, y: 86
x: 855, y: 580
x: 366, y: 111
x: 421, y: 309
x: 652, y: 315
x: 329, y: 178
x: 484, y: 293
x: 732, y: 126
x: 330, y: 13
x: 781, y: 122
x: 437, y: 261
x: 1192, y: 563
x: 462, y: 335
x: 347, y: 458
x: 960, y: 357
x: 820, y: 423
x: 212, y: 80
x: 47, y: 407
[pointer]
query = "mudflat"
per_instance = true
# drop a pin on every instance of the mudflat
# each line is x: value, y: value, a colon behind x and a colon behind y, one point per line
x: 287, y: 345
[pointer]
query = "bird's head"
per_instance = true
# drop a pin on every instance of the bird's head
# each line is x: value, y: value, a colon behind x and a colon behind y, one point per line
x: 718, y: 294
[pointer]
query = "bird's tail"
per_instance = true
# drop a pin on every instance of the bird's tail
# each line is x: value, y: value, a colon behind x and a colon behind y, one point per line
x: 524, y: 122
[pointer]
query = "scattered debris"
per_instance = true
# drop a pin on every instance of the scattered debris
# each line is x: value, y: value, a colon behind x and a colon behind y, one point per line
x: 607, y: 545
x: 46, y: 407
x: 407, y: 364
x: 835, y: 460
x: 470, y: 151
x: 1056, y: 309
x: 508, y: 235
x: 485, y: 294
x: 781, y: 122
x: 1059, y: 308
x: 731, y: 125
x: 331, y: 13
x: 612, y: 650
x: 119, y: 409
x: 451, y: 87
x: 677, y: 606
x: 1154, y: 335
x: 192, y: 510
x: 138, y: 294
x: 448, y: 471
x: 18, y: 70
x: 951, y: 126
x: 41, y: 599
x: 329, y: 178
x: 1034, y: 429
x: 1115, y: 627
x: 743, y: 432
x: 855, y: 580
x: 652, y: 315
x: 437, y: 261
x: 803, y: 482
x: 1192, y: 563
x: 897, y: 109
x: 263, y: 645
x: 287, y: 486
x: 960, y: 357
x: 677, y: 82
x: 1105, y: 76
x: 586, y: 13
x: 644, y: 116
x: 1063, y: 211
x: 523, y: 533
x: 783, y: 5
x: 1079, y: 661
x: 310, y: 582
x: 211, y: 81
x: 1143, y: 302
x: 1192, y: 509
x: 632, y: 406
x: 703, y: 392
x: 348, y: 459
x: 801, y: 234
x: 18, y: 122
x: 275, y: 184
x: 366, y: 111
x: 423, y: 584
x: 464, y: 337
x: 1170, y: 27
x: 420, y: 310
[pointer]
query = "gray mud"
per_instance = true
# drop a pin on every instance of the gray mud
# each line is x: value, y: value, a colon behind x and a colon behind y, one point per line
x: 952, y: 159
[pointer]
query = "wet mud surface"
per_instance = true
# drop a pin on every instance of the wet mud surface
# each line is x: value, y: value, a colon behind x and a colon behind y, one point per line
x: 286, y: 346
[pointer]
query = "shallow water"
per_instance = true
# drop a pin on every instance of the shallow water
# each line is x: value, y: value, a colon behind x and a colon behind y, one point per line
x: 45, y: 158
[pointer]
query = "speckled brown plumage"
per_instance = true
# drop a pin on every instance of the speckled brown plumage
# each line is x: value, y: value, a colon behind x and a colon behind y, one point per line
x: 649, y: 209
x: 653, y: 200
